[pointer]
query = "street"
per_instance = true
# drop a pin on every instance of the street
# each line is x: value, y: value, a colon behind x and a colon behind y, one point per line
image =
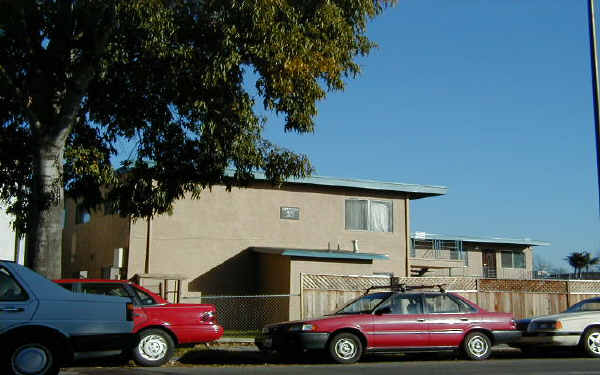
x: 249, y: 362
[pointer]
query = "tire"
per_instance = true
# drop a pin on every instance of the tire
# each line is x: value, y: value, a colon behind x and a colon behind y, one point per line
x: 477, y: 346
x: 591, y: 342
x: 345, y: 348
x: 33, y: 356
x: 154, y: 348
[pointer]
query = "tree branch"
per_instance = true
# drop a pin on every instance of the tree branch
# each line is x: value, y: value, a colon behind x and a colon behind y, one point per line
x: 33, y: 119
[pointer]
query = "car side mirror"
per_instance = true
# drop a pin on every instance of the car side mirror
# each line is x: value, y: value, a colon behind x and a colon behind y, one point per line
x: 383, y: 310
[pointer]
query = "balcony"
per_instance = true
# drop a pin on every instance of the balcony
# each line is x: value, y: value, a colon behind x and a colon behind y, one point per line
x: 435, y: 259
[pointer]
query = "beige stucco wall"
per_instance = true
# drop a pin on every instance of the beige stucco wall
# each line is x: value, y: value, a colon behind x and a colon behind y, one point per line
x: 206, y: 239
x: 91, y: 246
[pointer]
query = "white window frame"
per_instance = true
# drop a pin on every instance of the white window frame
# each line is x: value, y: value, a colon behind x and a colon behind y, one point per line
x: 369, y: 228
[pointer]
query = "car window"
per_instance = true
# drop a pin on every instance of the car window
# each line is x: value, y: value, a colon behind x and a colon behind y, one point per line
x: 112, y: 289
x: 585, y: 305
x: 444, y: 303
x: 364, y: 304
x: 10, y: 290
x: 401, y: 303
x: 590, y: 306
x: 145, y: 298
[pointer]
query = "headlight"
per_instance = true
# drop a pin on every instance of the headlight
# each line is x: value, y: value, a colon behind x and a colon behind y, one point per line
x: 549, y: 325
x: 302, y: 327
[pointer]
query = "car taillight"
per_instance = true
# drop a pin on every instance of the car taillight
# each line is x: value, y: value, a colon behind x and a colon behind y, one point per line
x: 129, y: 311
x: 209, y: 316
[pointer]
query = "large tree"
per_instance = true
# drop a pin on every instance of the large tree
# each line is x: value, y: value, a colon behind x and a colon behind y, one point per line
x: 81, y: 78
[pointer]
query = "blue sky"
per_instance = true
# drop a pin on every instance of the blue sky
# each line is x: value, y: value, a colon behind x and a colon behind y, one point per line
x: 490, y: 98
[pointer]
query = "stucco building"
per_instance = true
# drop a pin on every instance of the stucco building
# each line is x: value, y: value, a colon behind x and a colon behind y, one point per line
x: 255, y: 239
x: 260, y: 239
x: 484, y: 257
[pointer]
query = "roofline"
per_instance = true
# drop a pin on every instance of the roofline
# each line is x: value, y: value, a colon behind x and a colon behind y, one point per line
x: 512, y: 241
x: 420, y: 191
x: 313, y: 253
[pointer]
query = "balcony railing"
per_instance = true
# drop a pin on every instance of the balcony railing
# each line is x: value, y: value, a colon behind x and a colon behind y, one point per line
x: 437, y: 254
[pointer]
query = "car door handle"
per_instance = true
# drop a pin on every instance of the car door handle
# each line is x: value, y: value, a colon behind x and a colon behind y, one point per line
x: 420, y: 320
x: 11, y: 309
x: 464, y: 319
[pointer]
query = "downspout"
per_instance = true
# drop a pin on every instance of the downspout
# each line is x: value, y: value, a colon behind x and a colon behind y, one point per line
x: 147, y: 261
x: 407, y: 236
x: 301, y: 295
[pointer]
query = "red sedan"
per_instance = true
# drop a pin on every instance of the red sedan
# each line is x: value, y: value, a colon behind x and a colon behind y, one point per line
x: 160, y: 326
x: 400, y: 320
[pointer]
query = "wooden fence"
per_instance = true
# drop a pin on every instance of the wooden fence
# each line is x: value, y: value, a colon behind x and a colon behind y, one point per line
x: 321, y: 294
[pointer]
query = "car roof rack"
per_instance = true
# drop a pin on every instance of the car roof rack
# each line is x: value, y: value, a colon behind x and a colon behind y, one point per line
x: 406, y: 288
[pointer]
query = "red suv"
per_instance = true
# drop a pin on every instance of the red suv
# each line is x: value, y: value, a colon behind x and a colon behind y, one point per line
x: 402, y: 319
x: 160, y: 326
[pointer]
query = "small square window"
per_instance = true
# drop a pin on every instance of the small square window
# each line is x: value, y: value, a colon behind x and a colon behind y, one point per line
x: 289, y: 213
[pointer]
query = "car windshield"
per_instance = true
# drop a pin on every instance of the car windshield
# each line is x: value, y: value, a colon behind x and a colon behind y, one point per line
x: 587, y: 305
x: 364, y: 304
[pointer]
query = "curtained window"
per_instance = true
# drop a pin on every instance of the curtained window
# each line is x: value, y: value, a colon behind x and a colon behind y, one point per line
x: 369, y: 215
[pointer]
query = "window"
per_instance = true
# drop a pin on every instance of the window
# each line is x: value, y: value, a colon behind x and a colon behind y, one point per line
x: 507, y: 259
x: 403, y: 304
x: 364, y: 304
x: 513, y: 259
x: 591, y: 306
x: 369, y: 215
x: 144, y: 297
x: 289, y: 213
x: 112, y: 289
x: 444, y: 303
x: 82, y: 215
x: 10, y: 290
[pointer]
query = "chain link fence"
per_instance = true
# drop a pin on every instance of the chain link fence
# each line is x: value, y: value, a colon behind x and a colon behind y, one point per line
x: 239, y: 314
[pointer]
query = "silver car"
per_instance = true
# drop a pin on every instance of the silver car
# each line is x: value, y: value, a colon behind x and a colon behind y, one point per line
x: 577, y: 327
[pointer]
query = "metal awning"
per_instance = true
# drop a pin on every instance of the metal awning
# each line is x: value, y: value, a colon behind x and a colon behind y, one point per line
x: 314, y: 253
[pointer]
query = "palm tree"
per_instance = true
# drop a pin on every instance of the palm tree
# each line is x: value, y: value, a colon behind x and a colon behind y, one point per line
x: 590, y: 261
x: 577, y: 260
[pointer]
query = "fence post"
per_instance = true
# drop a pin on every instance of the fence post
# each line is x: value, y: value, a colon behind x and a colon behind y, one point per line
x: 477, y: 291
x: 301, y: 295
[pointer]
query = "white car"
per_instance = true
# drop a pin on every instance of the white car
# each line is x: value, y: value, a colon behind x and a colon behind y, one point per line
x: 577, y: 327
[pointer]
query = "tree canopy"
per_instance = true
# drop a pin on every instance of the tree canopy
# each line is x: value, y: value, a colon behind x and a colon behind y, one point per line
x: 581, y: 260
x: 78, y: 78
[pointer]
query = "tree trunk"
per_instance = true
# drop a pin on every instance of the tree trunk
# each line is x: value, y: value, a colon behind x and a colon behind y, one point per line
x: 44, y: 237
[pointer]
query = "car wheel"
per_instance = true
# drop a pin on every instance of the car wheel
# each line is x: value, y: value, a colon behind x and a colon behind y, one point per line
x: 591, y: 342
x: 154, y: 348
x: 345, y: 348
x: 477, y: 346
x: 33, y: 357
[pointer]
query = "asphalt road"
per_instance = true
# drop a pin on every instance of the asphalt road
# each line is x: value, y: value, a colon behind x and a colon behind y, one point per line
x: 249, y: 363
